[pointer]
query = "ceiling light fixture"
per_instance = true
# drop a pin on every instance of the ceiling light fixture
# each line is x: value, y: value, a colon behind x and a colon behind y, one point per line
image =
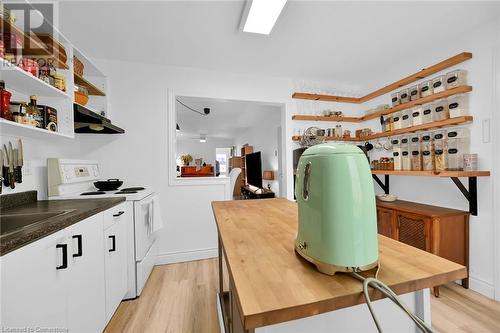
x: 259, y: 16
x: 203, y: 139
x: 177, y: 128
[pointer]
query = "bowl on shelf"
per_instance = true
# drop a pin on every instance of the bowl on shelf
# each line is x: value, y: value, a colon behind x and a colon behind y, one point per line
x: 387, y: 197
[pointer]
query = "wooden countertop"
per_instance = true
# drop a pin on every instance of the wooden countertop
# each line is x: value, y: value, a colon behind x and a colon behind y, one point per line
x: 272, y: 284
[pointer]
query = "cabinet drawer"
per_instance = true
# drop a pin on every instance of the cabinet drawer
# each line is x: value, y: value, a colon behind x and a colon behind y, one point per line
x: 114, y: 214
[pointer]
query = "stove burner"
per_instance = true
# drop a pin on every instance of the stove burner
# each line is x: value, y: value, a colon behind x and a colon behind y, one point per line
x: 93, y: 193
x: 126, y: 192
x: 132, y: 189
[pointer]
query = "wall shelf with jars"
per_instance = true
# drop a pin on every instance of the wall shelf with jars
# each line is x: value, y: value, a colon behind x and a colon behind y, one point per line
x: 42, y: 76
x: 420, y: 126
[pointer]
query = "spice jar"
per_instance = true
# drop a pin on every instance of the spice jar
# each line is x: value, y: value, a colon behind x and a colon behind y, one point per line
x: 414, y: 92
x: 404, y: 96
x: 60, y: 82
x: 440, y: 110
x: 426, y: 88
x: 395, y: 98
x: 427, y: 149
x: 438, y: 84
x: 416, y: 114
x: 456, y: 78
x: 427, y: 113
x: 458, y: 105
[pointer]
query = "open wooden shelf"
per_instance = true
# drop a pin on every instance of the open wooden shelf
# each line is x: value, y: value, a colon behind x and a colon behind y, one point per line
x: 423, y: 127
x: 457, y: 59
x: 327, y: 118
x: 433, y: 173
x: 423, y: 100
x: 32, y: 45
x: 93, y: 90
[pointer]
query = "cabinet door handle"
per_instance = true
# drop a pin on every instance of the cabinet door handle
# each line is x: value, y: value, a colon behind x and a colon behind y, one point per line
x: 113, y: 243
x: 121, y: 212
x: 64, y: 248
x: 80, y: 250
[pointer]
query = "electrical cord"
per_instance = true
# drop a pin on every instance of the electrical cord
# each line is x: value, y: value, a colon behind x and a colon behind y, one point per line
x: 385, y: 290
x: 190, y: 108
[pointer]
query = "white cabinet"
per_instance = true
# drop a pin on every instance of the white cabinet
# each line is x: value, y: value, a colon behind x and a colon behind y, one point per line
x: 86, y: 293
x: 33, y: 289
x: 74, y: 278
x: 115, y: 251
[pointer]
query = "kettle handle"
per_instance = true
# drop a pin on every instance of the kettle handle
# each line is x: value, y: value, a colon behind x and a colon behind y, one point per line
x: 307, y: 182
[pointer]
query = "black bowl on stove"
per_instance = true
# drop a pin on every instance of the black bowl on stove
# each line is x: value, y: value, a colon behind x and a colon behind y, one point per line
x: 108, y: 185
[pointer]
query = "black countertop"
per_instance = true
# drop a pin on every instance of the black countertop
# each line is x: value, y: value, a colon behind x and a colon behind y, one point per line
x: 75, y: 211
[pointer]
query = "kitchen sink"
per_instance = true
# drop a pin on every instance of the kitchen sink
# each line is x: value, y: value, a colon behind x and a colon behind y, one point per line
x: 14, y: 222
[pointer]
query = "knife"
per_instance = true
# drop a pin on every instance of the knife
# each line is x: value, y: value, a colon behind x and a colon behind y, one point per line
x: 1, y: 175
x: 20, y: 161
x: 12, y: 181
x: 5, y: 167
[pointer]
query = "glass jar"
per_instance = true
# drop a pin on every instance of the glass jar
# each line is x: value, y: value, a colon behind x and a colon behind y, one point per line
x: 5, y: 102
x: 404, y: 96
x: 416, y: 114
x: 438, y: 84
x: 395, y: 98
x: 406, y: 118
x: 440, y: 151
x: 416, y: 158
x: 60, y: 82
x: 396, y: 120
x: 414, y: 92
x: 456, y: 78
x: 440, y: 110
x: 458, y: 105
x: 426, y: 88
x: 427, y: 148
x: 427, y: 113
x: 405, y: 154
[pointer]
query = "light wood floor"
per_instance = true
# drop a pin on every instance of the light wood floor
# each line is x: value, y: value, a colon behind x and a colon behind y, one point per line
x: 180, y: 298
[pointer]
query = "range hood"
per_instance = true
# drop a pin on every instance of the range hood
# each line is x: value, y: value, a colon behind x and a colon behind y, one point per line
x: 88, y: 121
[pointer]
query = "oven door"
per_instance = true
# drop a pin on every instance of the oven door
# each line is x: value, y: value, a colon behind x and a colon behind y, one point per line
x: 143, y: 224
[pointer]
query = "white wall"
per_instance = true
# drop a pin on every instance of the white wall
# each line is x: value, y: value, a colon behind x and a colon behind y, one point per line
x: 264, y: 138
x: 140, y: 155
x: 204, y: 150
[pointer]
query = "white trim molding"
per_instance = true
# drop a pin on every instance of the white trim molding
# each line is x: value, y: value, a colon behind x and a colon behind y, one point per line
x: 183, y: 256
x: 496, y: 167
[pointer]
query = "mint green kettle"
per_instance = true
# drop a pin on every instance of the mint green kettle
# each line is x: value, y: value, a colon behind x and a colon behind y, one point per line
x: 337, y: 210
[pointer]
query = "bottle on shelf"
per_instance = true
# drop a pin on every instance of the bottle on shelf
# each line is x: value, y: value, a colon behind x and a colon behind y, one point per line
x: 5, y: 102
x: 34, y: 113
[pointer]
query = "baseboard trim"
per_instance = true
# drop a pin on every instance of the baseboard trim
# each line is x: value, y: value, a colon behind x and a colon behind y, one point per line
x: 482, y: 287
x: 183, y: 256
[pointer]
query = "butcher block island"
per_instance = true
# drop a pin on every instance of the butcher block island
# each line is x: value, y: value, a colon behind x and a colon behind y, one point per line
x: 272, y: 289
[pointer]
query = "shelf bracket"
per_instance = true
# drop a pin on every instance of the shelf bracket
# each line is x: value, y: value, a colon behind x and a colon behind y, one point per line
x: 384, y: 186
x: 470, y: 194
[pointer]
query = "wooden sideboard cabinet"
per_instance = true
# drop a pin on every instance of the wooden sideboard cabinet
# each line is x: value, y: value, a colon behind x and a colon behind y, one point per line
x: 438, y: 230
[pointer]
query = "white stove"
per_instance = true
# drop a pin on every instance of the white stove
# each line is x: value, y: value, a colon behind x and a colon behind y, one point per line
x: 74, y: 179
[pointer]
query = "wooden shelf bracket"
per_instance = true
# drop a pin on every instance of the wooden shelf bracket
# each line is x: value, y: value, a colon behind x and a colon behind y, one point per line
x: 470, y: 194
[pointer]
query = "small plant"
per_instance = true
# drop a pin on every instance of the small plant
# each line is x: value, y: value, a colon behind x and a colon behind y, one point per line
x: 186, y: 159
